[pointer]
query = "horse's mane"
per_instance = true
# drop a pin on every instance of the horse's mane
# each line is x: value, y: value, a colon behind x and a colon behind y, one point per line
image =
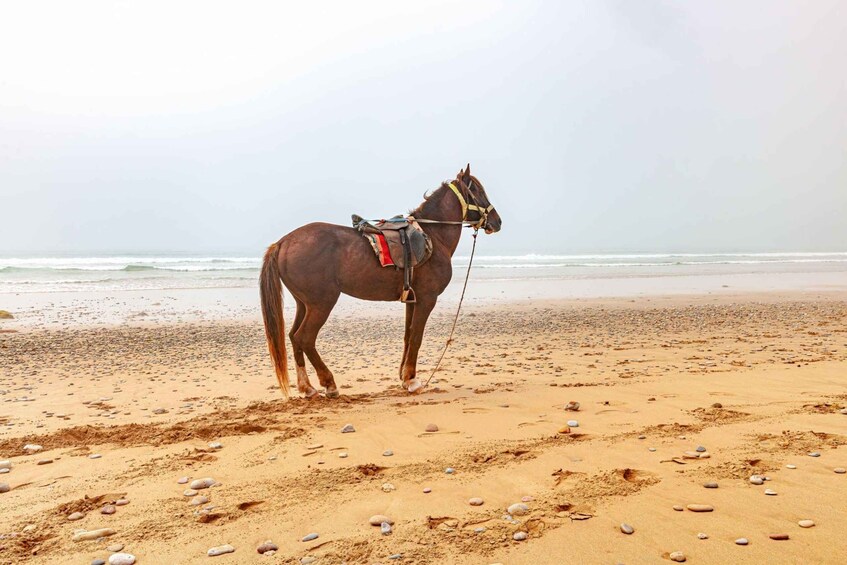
x: 426, y: 197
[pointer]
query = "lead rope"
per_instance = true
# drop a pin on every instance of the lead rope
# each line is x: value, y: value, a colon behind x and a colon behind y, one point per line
x: 456, y: 319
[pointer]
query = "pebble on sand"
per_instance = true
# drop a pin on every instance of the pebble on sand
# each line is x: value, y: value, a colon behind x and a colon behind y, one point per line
x: 93, y: 534
x: 678, y: 508
x: 122, y: 559
x: 840, y: 470
x: 95, y: 456
x: 790, y: 466
x: 6, y: 464
x: 108, y: 509
x: 805, y: 523
x: 700, y: 507
x: 115, y: 547
x: 573, y: 423
x: 267, y: 546
x: 220, y: 550
x: 378, y: 519
x: 216, y: 445
x: 572, y: 406
x: 449, y: 470
x: 431, y: 428
x: 310, y: 537
x: 32, y: 448
x: 202, y: 483
x: 757, y: 480
x: 711, y: 485
x: 121, y: 502
x: 815, y: 454
x: 701, y: 535
x: 189, y: 492
x: 385, y: 528
x: 73, y: 517
x: 518, y: 509
x: 427, y: 490
x: 98, y: 562
x: 476, y: 501
x: 565, y: 430
x: 770, y: 492
x: 778, y: 537
x: 4, y: 487
x: 519, y: 536
x: 742, y: 541
x: 348, y: 429
x: 387, y: 453
x: 626, y: 528
x: 182, y: 480
x: 677, y: 556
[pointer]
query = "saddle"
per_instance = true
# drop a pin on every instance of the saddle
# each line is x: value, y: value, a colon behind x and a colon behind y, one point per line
x: 398, y: 242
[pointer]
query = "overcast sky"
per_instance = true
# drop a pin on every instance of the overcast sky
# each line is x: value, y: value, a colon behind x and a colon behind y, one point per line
x: 595, y: 126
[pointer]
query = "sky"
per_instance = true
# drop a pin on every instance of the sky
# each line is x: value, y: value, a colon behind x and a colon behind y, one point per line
x: 595, y: 126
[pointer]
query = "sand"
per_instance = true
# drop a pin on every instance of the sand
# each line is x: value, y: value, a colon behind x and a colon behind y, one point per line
x: 758, y: 380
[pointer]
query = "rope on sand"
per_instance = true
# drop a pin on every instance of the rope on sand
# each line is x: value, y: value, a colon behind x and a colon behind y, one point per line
x: 456, y: 319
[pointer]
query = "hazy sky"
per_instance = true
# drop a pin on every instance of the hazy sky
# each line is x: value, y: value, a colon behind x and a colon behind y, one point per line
x: 595, y: 126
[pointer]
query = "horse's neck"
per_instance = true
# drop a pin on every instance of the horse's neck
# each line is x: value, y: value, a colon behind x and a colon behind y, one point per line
x: 443, y: 206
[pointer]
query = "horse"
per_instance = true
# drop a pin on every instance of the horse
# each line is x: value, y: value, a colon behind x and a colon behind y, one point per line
x: 320, y: 261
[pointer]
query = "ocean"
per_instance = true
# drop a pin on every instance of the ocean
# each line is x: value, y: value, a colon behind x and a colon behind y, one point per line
x: 162, y: 272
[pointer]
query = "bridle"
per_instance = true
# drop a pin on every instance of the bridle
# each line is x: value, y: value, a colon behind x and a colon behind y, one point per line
x: 466, y: 207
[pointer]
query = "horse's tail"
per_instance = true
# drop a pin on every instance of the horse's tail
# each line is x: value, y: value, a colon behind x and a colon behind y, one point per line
x: 270, y: 289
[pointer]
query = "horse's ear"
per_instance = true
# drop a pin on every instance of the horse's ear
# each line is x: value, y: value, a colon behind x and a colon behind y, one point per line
x: 466, y: 174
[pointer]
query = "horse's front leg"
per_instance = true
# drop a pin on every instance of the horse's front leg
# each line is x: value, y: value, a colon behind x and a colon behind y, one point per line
x: 420, y: 315
x: 410, y: 310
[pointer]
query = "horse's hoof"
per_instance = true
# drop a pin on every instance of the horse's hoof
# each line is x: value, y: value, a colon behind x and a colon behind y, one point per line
x: 332, y: 394
x: 311, y: 392
x: 413, y: 386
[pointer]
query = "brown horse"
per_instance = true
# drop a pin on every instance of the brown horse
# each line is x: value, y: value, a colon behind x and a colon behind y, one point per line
x: 317, y: 262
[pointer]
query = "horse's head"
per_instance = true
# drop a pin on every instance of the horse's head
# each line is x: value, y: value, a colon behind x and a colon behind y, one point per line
x: 480, y: 208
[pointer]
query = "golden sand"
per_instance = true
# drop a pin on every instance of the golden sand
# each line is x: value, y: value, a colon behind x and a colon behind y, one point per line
x: 759, y: 384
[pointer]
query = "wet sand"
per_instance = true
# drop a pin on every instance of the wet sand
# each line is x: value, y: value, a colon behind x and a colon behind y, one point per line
x: 758, y: 380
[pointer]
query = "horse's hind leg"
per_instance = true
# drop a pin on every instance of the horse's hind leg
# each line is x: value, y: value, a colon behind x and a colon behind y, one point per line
x: 303, y: 384
x: 305, y: 337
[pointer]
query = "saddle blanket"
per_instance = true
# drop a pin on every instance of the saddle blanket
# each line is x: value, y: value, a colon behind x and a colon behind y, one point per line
x: 386, y: 238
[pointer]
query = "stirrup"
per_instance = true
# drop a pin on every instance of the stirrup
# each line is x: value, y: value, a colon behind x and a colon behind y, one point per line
x: 408, y: 296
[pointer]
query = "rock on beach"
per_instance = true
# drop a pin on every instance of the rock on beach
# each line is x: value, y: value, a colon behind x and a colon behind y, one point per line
x: 220, y: 550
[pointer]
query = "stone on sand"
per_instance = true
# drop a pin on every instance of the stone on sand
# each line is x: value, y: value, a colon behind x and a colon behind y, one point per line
x: 122, y: 559
x: 573, y: 423
x: 4, y: 487
x: 519, y: 536
x: 378, y: 519
x: 476, y: 501
x: 572, y: 406
x: 198, y: 484
x: 348, y: 429
x: 778, y: 537
x: 677, y: 556
x: 431, y: 428
x: 700, y: 507
x: 93, y: 534
x: 108, y: 509
x: 266, y: 547
x: 310, y: 537
x: 626, y: 528
x: 742, y: 541
x: 840, y: 470
x: 518, y: 509
x: 74, y: 516
x: 220, y: 550
x: 805, y: 523
x: 711, y: 485
x: 757, y: 480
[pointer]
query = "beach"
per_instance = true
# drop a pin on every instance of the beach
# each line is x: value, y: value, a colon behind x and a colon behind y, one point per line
x: 127, y: 392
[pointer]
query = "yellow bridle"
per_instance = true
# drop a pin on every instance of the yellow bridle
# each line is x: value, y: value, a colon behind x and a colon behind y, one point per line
x: 483, y: 212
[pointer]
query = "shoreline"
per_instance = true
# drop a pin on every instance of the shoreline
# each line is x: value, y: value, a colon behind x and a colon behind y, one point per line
x: 112, y: 308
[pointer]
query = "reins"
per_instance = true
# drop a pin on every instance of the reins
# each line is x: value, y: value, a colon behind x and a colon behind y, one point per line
x: 458, y: 309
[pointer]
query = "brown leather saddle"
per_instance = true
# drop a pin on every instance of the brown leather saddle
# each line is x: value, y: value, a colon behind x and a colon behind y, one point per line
x: 397, y: 242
